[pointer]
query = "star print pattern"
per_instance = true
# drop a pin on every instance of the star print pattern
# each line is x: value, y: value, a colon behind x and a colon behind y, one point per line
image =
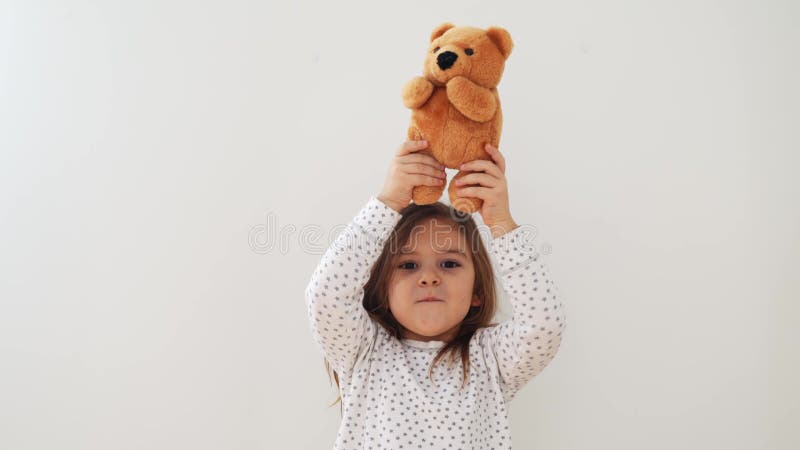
x: 389, y: 401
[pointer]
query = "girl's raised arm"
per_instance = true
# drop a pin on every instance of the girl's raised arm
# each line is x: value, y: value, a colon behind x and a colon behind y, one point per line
x: 526, y: 343
x: 339, y: 324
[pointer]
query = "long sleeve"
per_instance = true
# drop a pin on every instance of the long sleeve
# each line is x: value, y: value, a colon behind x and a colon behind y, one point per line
x: 339, y: 323
x: 526, y: 343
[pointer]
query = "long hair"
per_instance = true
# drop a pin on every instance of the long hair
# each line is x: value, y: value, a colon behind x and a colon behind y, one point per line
x: 376, y: 298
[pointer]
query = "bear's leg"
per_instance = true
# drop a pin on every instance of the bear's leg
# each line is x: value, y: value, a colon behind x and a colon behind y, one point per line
x: 424, y: 195
x: 473, y: 150
x: 413, y: 133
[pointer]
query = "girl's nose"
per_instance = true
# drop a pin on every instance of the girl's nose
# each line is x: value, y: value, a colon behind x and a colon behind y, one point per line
x: 429, y: 280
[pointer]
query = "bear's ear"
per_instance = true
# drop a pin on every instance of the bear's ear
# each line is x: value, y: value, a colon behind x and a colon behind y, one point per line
x: 502, y: 39
x: 438, y: 31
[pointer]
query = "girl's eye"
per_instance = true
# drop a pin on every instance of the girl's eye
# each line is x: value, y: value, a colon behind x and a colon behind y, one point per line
x: 405, y: 265
x: 469, y: 51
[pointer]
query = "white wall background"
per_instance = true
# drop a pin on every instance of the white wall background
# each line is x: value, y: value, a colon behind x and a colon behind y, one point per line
x: 149, y: 150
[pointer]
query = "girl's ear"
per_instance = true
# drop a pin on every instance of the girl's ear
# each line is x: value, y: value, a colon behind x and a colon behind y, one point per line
x: 476, y: 301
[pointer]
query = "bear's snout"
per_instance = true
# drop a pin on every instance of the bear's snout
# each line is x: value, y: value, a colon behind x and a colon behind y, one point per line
x: 445, y: 60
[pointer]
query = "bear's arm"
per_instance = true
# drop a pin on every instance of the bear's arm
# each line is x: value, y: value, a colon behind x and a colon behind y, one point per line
x: 416, y: 92
x: 475, y: 102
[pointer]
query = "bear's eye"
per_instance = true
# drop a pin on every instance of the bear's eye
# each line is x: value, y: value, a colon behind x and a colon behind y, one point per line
x: 469, y: 51
x: 436, y: 50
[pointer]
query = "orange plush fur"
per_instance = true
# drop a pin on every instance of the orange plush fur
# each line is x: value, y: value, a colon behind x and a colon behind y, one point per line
x: 455, y: 105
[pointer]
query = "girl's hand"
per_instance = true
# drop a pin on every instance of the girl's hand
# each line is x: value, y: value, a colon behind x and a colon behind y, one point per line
x: 409, y: 169
x: 492, y: 189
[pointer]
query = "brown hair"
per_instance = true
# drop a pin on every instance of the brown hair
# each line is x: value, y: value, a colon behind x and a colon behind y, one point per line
x: 376, y: 299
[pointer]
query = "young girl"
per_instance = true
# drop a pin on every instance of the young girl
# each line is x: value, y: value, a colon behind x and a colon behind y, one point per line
x: 405, y: 285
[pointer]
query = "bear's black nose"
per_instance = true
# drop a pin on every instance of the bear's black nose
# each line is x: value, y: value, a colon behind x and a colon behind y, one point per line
x: 445, y: 60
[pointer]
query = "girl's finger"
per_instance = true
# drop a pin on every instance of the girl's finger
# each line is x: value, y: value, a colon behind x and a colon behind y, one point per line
x: 479, y: 192
x: 420, y: 180
x: 420, y: 158
x: 482, y: 165
x: 422, y: 169
x: 411, y: 146
x: 480, y: 178
x: 498, y: 158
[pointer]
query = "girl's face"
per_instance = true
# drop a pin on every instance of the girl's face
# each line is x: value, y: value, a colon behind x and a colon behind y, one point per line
x: 436, y: 261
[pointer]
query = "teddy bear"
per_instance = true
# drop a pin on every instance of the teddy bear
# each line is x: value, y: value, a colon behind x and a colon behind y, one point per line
x: 455, y: 106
